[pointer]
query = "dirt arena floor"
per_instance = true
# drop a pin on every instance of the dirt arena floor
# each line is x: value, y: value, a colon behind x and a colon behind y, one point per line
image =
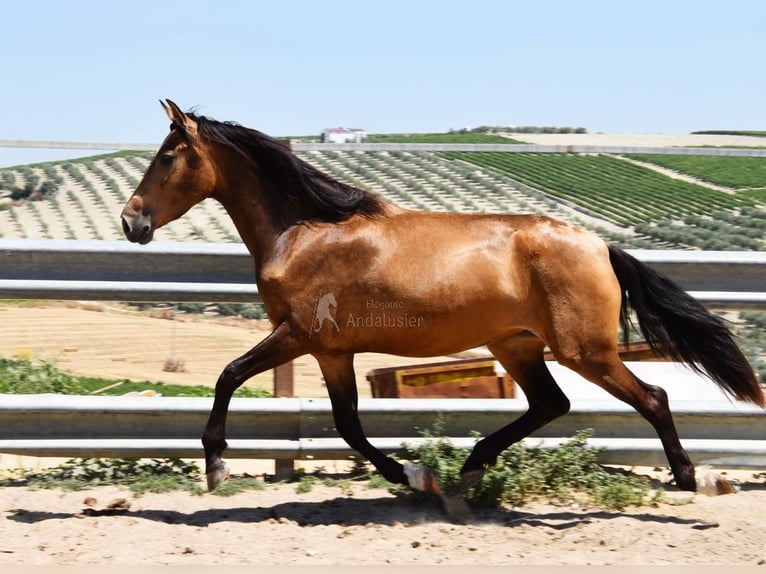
x: 357, y: 526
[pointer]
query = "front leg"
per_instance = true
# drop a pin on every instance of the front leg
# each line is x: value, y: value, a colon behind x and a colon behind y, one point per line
x: 339, y: 376
x: 279, y: 347
x: 338, y: 371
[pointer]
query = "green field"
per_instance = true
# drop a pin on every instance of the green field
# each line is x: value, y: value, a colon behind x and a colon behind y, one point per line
x: 758, y: 133
x: 735, y: 172
x: 618, y: 190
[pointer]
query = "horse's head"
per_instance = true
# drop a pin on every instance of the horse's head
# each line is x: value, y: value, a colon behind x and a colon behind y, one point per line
x: 180, y: 176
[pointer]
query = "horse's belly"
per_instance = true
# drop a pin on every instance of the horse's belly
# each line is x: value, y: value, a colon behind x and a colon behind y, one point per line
x: 421, y: 331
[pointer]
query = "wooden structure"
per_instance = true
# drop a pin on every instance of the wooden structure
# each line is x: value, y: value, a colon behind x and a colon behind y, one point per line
x: 477, y: 378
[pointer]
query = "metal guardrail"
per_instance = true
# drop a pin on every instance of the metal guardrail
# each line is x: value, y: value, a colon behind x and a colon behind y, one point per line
x: 303, y: 429
x: 209, y: 272
x: 122, y: 271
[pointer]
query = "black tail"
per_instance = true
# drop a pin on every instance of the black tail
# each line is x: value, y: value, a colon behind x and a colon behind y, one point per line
x: 678, y: 326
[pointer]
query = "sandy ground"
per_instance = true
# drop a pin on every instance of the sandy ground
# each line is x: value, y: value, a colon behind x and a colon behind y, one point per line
x: 360, y: 526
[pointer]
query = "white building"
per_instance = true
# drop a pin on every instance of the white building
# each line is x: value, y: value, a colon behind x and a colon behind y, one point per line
x: 343, y: 135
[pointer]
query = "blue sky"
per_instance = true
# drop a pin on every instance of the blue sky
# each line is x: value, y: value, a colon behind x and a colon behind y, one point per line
x: 94, y: 70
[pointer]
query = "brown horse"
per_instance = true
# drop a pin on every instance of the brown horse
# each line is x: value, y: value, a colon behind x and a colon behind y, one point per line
x: 342, y: 272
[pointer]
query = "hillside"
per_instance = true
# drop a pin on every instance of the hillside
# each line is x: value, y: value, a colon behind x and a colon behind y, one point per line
x: 636, y: 201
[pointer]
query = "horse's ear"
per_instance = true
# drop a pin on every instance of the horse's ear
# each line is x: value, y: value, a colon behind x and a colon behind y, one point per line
x: 180, y: 119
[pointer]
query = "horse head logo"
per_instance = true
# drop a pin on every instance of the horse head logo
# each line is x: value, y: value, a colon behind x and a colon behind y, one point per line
x: 324, y: 311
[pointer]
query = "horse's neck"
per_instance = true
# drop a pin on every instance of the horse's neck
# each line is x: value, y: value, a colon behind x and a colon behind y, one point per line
x: 248, y: 212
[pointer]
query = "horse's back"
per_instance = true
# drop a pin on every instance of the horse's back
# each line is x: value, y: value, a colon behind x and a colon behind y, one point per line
x: 439, y: 282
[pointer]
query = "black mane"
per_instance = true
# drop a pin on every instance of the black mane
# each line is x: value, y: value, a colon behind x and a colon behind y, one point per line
x: 295, y: 190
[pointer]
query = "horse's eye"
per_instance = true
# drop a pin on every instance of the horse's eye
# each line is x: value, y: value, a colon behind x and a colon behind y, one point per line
x: 166, y: 159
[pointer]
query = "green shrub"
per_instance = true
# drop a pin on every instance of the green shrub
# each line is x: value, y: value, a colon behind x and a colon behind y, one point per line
x: 18, y: 376
x: 22, y: 376
x: 138, y: 475
x: 244, y: 310
x: 564, y: 474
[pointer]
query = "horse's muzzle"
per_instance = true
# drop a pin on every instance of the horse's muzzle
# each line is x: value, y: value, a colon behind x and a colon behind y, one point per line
x: 138, y: 228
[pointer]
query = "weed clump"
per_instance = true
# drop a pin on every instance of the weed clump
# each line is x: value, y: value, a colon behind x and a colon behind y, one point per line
x: 138, y: 475
x: 565, y: 474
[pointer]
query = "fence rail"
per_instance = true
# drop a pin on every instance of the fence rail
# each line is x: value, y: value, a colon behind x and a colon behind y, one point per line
x: 122, y: 271
x: 209, y: 272
x: 303, y: 429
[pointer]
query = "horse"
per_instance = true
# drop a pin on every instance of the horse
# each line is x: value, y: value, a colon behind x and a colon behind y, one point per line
x: 418, y: 283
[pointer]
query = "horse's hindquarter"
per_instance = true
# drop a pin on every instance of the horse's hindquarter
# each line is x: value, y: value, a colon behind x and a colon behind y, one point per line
x: 411, y: 283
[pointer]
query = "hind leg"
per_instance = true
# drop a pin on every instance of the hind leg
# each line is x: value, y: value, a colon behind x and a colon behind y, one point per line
x: 584, y: 303
x: 607, y: 370
x: 522, y: 357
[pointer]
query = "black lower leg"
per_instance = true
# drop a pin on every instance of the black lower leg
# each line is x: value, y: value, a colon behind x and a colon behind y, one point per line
x: 546, y: 403
x: 340, y: 379
x: 522, y: 358
x: 484, y: 454
x: 657, y: 412
x: 349, y: 427
x: 274, y: 350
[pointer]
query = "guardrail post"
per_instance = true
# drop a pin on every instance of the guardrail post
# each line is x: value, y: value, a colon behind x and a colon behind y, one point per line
x: 284, y: 388
x: 284, y: 381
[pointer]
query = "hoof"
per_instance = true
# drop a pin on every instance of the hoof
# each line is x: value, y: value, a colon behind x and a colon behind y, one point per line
x: 470, y: 479
x: 216, y: 476
x: 457, y: 509
x: 713, y: 484
x: 421, y: 478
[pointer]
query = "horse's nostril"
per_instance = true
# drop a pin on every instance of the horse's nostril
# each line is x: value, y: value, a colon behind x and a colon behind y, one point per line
x: 137, y: 229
